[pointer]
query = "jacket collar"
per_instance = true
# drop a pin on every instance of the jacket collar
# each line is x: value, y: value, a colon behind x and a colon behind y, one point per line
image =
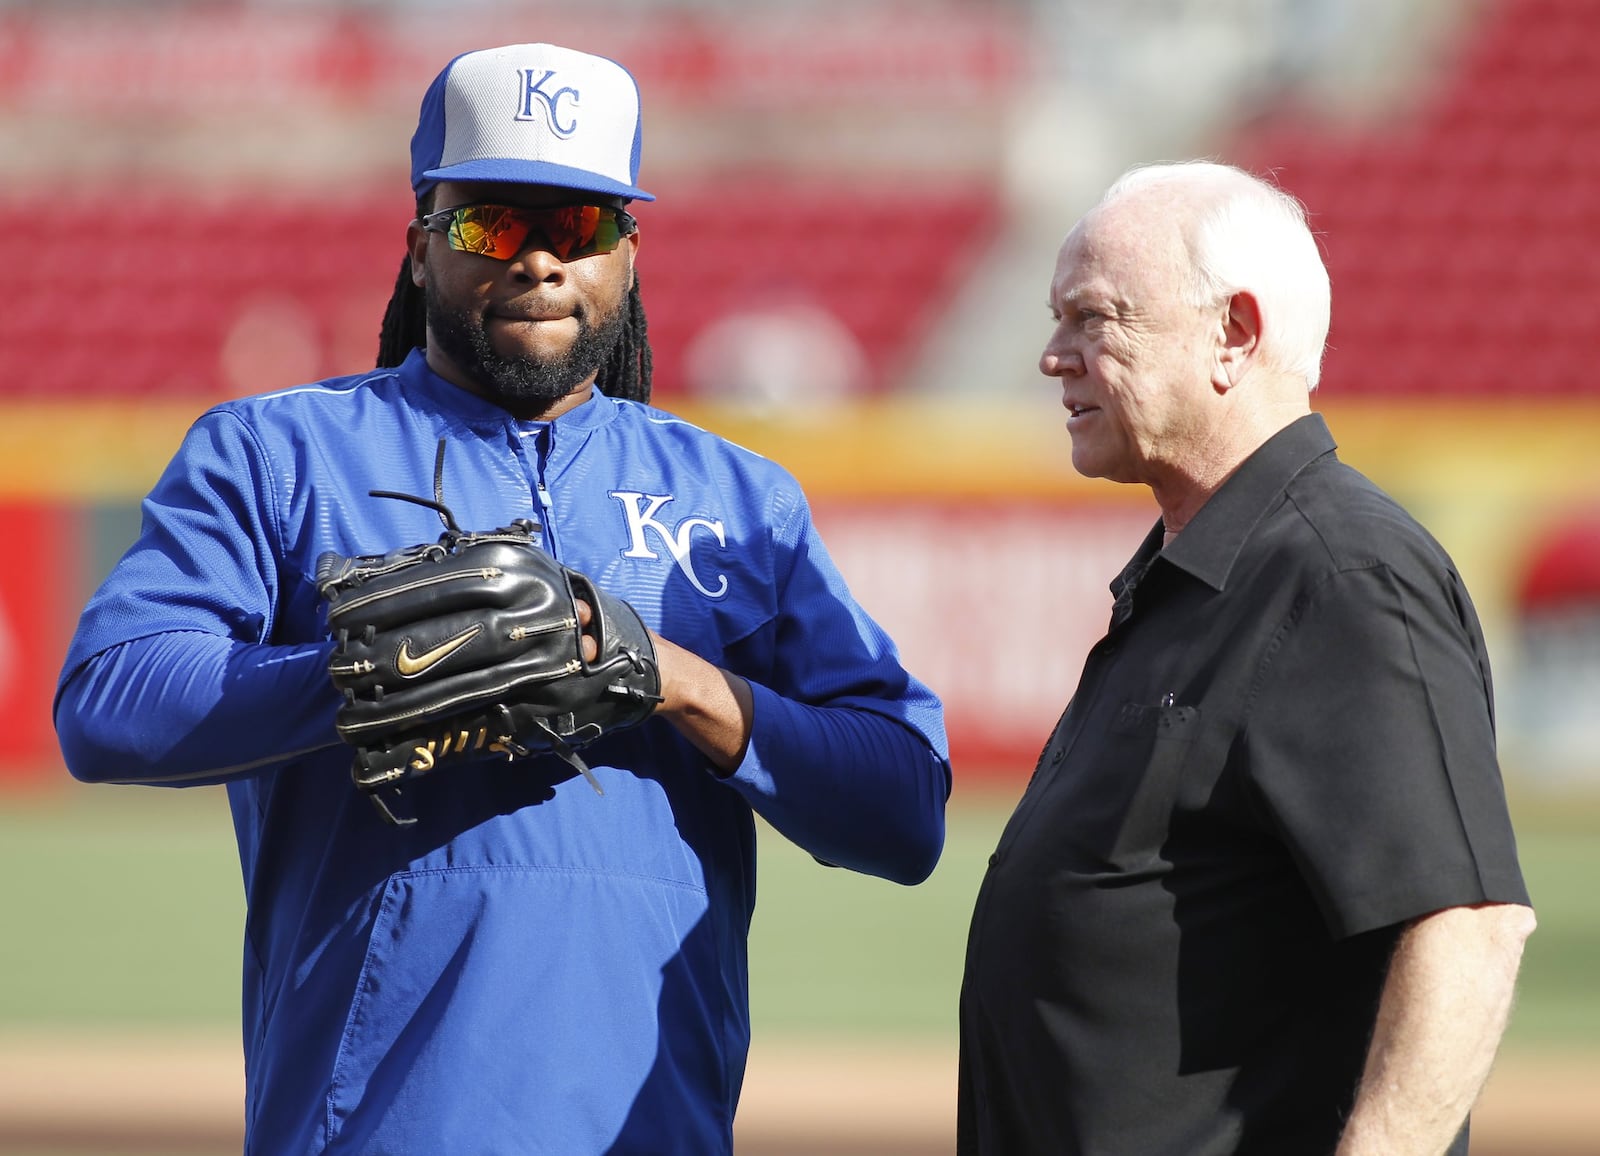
x: 1211, y: 542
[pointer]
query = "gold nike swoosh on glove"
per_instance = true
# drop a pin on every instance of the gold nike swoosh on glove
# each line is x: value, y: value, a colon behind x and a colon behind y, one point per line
x: 410, y: 665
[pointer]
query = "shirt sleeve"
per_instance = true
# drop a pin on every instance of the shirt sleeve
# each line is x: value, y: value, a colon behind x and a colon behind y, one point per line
x: 1371, y: 746
x: 171, y: 674
x: 182, y: 708
x: 848, y: 756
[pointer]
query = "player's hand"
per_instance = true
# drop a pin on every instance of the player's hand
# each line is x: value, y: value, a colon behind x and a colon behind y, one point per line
x: 709, y: 706
x: 591, y: 648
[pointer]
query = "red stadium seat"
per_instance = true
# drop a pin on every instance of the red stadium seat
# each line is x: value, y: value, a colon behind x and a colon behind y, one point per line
x: 163, y: 311
x: 1473, y: 223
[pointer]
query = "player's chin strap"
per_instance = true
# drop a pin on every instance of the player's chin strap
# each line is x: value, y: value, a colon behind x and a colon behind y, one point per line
x: 437, y: 503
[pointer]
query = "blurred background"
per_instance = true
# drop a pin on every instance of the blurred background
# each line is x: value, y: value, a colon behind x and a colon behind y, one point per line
x: 859, y: 208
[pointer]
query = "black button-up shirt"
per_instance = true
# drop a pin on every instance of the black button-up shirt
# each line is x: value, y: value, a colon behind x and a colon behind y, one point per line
x: 1281, y: 751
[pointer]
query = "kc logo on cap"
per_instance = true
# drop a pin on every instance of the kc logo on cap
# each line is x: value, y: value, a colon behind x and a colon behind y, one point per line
x: 531, y: 114
x: 534, y: 92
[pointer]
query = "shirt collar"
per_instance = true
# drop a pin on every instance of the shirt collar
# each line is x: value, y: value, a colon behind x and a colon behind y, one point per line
x: 1211, y: 542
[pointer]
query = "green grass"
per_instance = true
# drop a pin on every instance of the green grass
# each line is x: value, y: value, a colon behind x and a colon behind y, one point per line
x: 1559, y: 988
x: 121, y: 908
x: 838, y: 953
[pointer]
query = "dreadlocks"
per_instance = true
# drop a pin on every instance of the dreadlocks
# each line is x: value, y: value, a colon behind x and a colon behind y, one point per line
x: 405, y: 323
x: 625, y: 373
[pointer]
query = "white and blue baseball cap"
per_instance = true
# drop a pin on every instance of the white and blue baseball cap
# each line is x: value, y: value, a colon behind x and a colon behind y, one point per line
x: 534, y: 114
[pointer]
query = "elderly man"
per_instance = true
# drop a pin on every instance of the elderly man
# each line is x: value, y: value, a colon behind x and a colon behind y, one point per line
x: 1262, y: 893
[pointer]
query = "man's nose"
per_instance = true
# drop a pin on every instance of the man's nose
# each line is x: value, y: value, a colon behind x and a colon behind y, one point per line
x: 538, y: 261
x: 1060, y: 360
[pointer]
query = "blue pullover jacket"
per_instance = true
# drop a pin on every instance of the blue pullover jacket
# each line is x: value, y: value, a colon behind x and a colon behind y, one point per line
x: 531, y: 967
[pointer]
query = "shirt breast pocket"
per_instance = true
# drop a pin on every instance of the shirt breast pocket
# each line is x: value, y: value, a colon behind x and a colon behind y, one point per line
x: 1131, y: 786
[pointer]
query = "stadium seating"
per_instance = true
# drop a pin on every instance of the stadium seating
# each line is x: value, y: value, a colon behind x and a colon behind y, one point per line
x: 1459, y: 232
x: 881, y: 261
x: 1461, y: 237
x: 139, y: 294
x: 155, y: 294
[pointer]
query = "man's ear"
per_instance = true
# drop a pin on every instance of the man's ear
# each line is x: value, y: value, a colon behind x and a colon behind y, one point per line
x: 1239, y: 340
x: 632, y: 241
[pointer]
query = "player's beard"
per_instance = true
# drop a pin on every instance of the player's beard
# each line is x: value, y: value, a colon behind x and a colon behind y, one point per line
x: 523, y: 379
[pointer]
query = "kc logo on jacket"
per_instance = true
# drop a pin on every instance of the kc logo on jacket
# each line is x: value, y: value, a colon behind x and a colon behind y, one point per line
x: 641, y: 509
x: 539, y: 88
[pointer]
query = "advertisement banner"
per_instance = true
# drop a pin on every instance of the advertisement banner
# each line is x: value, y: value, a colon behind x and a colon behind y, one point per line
x: 37, y: 605
x: 993, y: 602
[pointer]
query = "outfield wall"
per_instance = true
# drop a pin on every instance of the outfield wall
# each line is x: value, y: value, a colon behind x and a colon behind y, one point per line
x: 966, y: 533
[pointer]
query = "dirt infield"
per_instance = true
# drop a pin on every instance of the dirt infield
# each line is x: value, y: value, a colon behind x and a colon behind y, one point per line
x: 124, y: 1096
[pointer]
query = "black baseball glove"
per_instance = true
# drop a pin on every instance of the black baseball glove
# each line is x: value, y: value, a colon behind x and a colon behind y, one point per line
x: 473, y: 645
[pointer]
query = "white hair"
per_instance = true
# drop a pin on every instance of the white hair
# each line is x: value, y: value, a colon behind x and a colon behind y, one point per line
x: 1246, y: 234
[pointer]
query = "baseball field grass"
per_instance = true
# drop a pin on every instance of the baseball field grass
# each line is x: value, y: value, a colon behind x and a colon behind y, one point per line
x: 122, y: 907
x: 121, y: 915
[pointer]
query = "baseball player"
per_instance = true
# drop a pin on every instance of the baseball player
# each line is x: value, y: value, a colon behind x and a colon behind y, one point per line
x: 537, y: 942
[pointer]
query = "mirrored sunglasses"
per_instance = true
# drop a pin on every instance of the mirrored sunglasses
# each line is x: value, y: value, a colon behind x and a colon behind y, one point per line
x: 503, y: 231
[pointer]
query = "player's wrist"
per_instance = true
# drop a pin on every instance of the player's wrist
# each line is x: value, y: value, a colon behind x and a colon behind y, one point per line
x: 710, y: 707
